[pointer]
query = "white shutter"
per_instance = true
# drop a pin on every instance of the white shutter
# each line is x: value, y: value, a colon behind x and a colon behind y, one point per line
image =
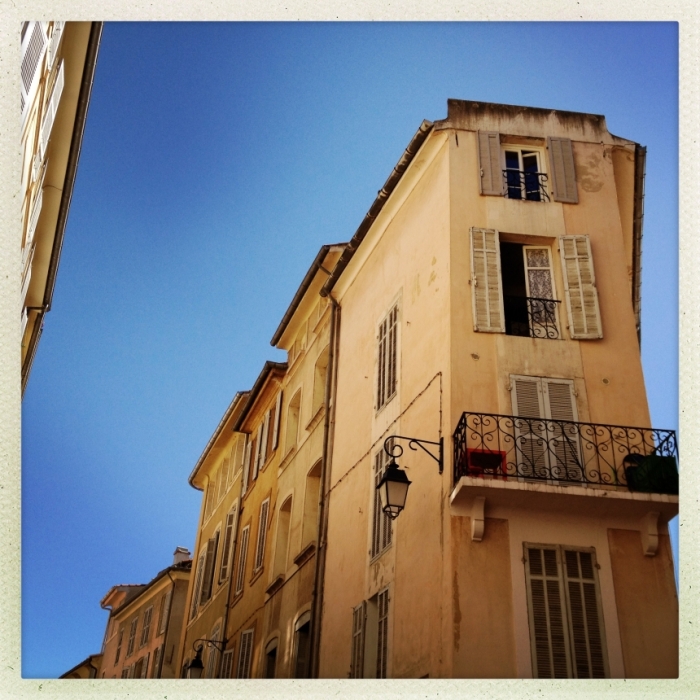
x: 548, y: 631
x: 246, y: 465
x: 245, y: 654
x: 256, y: 459
x: 561, y: 158
x: 197, y: 586
x: 262, y: 534
x: 54, y: 42
x: 226, y: 664
x: 33, y: 48
x: 585, y: 622
x: 490, y: 163
x: 357, y: 657
x: 579, y: 287
x: 487, y: 290
x: 34, y: 218
x: 278, y: 416
x: 263, y: 447
x: 530, y: 435
x: 243, y: 550
x: 51, y: 109
x: 228, y: 541
x: 382, y: 633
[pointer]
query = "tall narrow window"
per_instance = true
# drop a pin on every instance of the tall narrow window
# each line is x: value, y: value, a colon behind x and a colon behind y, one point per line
x: 262, y: 535
x: 165, y: 611
x: 382, y: 632
x: 320, y: 371
x: 359, y: 615
x: 245, y: 655
x: 208, y: 579
x: 293, y: 411
x: 226, y: 664
x: 271, y: 658
x: 197, y: 586
x: 309, y: 531
x: 381, y: 523
x: 302, y: 642
x: 227, y: 551
x: 276, y: 422
x: 523, y: 175
x: 242, y: 553
x: 387, y: 340
x: 146, y: 629
x: 213, y: 654
x: 246, y: 464
x: 119, y: 645
x: 282, y: 544
x: 566, y: 623
x: 132, y: 636
x: 370, y: 637
x: 155, y: 670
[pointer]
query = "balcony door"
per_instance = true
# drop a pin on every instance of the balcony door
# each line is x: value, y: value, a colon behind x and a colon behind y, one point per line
x: 546, y: 429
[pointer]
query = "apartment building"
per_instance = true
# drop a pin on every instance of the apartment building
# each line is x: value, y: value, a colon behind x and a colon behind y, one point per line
x: 489, y: 306
x: 143, y: 632
x: 58, y: 66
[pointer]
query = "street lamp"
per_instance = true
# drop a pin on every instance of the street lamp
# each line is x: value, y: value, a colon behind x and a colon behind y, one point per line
x: 195, y: 668
x: 393, y: 486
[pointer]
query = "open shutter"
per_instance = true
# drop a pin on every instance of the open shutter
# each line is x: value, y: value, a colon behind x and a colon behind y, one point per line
x: 487, y: 291
x: 579, y: 287
x: 209, y: 569
x: 561, y: 158
x: 33, y: 48
x: 228, y: 541
x: 256, y: 458
x: 242, y: 552
x: 278, y: 416
x: 263, y: 447
x: 588, y: 654
x: 51, y: 109
x: 54, y: 42
x: 262, y: 535
x: 166, y: 611
x: 246, y: 465
x: 490, y: 163
x: 550, y: 651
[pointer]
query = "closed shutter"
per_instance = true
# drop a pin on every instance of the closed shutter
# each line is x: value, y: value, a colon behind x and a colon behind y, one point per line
x: 32, y: 52
x: 246, y: 465
x: 530, y: 434
x: 243, y: 550
x: 262, y: 534
x: 155, y: 671
x: 245, y: 655
x: 226, y: 664
x: 487, y: 290
x: 579, y: 287
x: 144, y: 668
x: 561, y: 158
x: 165, y: 611
x: 197, y: 586
x: 550, y: 650
x: 212, y: 546
x: 228, y: 541
x: 146, y: 629
x: 382, y: 633
x: 51, y: 110
x: 490, y: 163
x: 278, y: 415
x: 357, y: 661
x: 584, y: 615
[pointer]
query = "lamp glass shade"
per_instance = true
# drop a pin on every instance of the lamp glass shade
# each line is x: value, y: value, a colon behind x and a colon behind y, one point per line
x: 393, y: 489
x: 196, y: 666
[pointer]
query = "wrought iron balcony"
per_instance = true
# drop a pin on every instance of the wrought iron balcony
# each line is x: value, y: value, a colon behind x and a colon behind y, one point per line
x: 523, y: 184
x: 531, y: 317
x: 564, y: 453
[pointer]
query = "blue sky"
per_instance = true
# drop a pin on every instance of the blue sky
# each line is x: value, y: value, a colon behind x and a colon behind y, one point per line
x: 217, y: 159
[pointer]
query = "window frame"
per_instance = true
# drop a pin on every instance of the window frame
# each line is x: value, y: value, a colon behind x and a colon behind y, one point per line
x: 387, y: 349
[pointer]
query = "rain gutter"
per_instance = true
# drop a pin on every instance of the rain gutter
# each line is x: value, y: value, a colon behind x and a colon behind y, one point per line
x: 640, y: 156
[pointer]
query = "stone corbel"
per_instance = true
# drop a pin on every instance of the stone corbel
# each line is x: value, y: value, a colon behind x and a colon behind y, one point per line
x: 649, y: 528
x: 477, y: 517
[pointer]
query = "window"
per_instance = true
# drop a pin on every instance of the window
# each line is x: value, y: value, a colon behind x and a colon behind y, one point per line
x: 226, y: 664
x: 546, y: 448
x: 240, y: 572
x: 566, y: 624
x: 132, y: 637
x: 212, y: 654
x: 146, y: 630
x: 125, y: 672
x: 245, y: 655
x: 208, y: 578
x: 381, y: 523
x: 293, y: 411
x: 139, y: 668
x: 33, y: 47
x: 51, y: 110
x: 320, y: 370
x: 209, y: 500
x: 302, y: 646
x: 276, y: 421
x: 197, y: 586
x: 520, y: 174
x: 271, y: 421
x: 523, y: 175
x: 246, y: 463
x: 164, y: 611
x: 370, y: 634
x: 262, y: 536
x: 119, y: 645
x: 155, y: 670
x: 282, y: 545
x: 387, y: 357
x: 309, y: 531
x: 227, y: 551
x: 525, y: 272
x: 271, y: 658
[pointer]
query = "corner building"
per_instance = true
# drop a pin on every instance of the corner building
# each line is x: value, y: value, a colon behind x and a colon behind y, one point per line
x: 491, y: 298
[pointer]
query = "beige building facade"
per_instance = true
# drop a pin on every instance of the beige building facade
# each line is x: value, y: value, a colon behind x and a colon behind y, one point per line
x: 58, y: 66
x: 491, y: 300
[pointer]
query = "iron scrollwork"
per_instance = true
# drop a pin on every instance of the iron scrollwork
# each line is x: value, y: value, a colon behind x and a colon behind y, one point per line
x: 395, y: 450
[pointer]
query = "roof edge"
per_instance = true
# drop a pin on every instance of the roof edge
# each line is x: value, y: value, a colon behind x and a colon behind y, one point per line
x: 268, y: 368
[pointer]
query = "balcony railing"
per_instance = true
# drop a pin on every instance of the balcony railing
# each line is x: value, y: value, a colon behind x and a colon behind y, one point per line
x: 531, y: 317
x: 565, y: 452
x: 520, y: 184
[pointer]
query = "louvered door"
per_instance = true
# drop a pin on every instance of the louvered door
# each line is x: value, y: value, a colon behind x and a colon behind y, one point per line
x: 564, y: 449
x: 530, y: 429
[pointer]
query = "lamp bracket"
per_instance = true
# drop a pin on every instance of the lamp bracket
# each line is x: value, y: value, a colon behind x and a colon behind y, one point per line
x: 394, y: 450
x: 219, y: 644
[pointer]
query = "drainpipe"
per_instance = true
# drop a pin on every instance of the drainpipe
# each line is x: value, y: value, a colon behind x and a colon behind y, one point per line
x: 328, y: 430
x: 167, y: 626
x: 640, y: 155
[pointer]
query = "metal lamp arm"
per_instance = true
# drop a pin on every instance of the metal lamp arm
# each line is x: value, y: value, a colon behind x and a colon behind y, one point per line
x: 414, y: 443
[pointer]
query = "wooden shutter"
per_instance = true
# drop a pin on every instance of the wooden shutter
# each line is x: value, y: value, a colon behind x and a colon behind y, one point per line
x: 278, y: 416
x: 146, y: 629
x: 245, y: 654
x: 228, y: 541
x: 490, y: 163
x: 212, y: 546
x: 226, y: 664
x: 243, y: 550
x: 51, y: 110
x: 550, y: 650
x: 487, y: 290
x: 197, y: 586
x: 262, y: 533
x: 156, y: 658
x: 246, y: 465
x: 585, y: 620
x: 382, y: 632
x: 531, y: 452
x: 357, y: 657
x: 256, y: 459
x: 263, y: 446
x: 33, y: 48
x: 579, y: 287
x: 165, y: 611
x: 34, y: 218
x: 144, y: 668
x: 561, y: 159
